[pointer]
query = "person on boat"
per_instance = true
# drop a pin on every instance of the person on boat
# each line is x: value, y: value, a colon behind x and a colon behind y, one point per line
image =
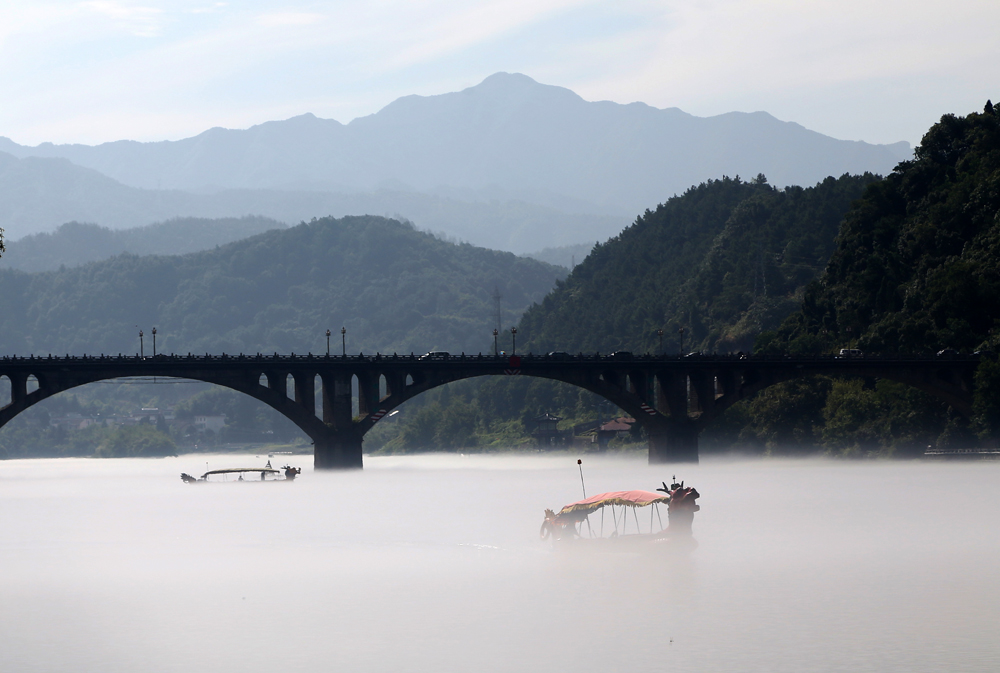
x: 561, y: 526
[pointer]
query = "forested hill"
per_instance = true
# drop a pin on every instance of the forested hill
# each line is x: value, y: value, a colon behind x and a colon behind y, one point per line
x: 392, y: 287
x: 725, y: 260
x: 917, y: 264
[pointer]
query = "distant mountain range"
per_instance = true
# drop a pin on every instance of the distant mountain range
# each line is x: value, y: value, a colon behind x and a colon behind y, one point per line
x: 38, y: 195
x: 76, y: 243
x: 475, y: 164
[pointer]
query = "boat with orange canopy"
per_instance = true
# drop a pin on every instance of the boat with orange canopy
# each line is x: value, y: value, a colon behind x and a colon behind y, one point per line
x: 619, y: 516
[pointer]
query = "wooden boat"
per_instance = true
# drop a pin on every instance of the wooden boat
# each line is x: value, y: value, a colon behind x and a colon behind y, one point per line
x: 574, y: 522
x: 238, y: 474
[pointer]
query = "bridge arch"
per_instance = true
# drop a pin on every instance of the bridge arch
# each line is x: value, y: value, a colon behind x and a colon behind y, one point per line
x: 630, y: 389
x: 23, y: 396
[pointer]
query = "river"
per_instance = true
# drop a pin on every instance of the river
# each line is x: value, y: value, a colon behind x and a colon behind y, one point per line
x: 433, y: 563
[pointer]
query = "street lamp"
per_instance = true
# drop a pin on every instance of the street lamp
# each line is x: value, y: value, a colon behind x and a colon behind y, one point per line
x: 141, y: 353
x: 513, y: 339
x: 328, y: 343
x: 154, y: 342
x: 343, y: 341
x: 496, y: 350
x: 660, y: 332
x: 681, y: 330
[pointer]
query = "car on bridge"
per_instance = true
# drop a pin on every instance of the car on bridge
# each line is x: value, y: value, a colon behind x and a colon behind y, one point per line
x: 558, y: 355
x: 435, y: 355
x: 851, y: 353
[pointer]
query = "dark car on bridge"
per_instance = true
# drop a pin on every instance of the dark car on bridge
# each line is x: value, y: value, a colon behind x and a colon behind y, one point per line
x: 622, y: 355
x: 435, y: 355
x: 558, y: 355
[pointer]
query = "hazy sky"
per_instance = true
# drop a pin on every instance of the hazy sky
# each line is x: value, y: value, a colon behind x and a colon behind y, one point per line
x: 875, y: 70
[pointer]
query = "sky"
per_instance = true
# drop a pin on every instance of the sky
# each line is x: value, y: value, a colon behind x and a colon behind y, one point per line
x: 99, y: 70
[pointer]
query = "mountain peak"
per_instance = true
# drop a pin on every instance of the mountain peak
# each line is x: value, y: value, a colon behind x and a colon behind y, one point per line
x: 507, y: 80
x: 515, y: 84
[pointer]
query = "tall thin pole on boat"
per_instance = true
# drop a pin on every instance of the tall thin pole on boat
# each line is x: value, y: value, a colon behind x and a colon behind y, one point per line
x: 579, y: 463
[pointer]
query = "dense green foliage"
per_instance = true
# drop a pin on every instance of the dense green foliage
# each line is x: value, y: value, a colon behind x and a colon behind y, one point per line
x: 34, y: 438
x: 853, y: 417
x: 725, y: 260
x: 74, y: 243
x: 394, y: 288
x: 485, y: 413
x: 915, y: 268
x: 112, y: 405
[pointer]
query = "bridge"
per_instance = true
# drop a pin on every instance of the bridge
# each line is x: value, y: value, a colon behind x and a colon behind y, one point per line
x: 671, y: 397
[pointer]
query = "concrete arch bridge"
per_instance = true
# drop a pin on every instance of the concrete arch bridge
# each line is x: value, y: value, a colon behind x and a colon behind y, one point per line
x: 671, y: 397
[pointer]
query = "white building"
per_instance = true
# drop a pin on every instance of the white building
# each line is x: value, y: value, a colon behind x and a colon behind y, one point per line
x: 213, y: 423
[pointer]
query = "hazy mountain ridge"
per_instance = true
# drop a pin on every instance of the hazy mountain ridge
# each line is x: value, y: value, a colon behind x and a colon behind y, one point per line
x: 567, y: 256
x: 39, y: 194
x: 76, y: 243
x: 509, y: 131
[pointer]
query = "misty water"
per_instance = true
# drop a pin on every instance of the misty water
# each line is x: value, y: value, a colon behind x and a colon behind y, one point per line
x: 433, y: 563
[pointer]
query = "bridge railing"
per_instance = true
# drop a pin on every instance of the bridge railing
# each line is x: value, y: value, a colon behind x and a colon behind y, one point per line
x: 527, y: 358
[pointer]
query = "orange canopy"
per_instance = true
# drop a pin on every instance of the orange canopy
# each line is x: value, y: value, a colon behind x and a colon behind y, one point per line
x: 624, y: 498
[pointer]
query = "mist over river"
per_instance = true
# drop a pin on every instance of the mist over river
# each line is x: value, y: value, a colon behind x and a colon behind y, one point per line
x: 433, y: 563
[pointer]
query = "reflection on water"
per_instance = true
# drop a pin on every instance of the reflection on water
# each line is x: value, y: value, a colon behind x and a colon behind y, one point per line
x: 433, y: 564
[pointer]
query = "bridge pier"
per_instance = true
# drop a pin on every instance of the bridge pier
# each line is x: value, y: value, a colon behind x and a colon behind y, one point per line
x: 677, y: 443
x: 338, y: 451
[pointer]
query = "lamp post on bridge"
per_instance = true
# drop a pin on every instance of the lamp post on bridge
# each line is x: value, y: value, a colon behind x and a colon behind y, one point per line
x: 496, y: 350
x: 681, y: 330
x: 660, y: 333
x: 513, y: 339
x: 343, y: 341
x: 328, y: 343
x: 141, y: 353
x: 154, y: 342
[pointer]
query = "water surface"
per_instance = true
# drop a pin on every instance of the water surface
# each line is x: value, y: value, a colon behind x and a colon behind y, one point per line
x: 433, y: 563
